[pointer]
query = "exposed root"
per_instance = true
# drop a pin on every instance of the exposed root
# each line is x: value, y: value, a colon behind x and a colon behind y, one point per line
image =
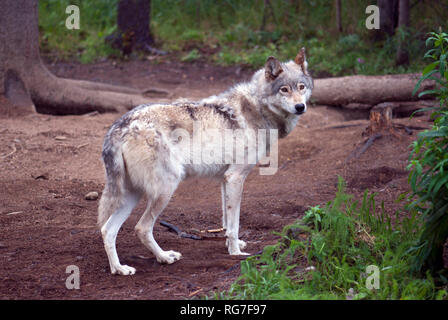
x: 359, y: 151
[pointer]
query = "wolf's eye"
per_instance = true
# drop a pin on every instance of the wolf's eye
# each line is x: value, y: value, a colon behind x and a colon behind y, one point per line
x: 301, y: 86
x: 284, y: 89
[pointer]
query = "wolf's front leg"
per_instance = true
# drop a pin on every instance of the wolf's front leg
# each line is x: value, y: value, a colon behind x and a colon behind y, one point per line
x: 232, y: 194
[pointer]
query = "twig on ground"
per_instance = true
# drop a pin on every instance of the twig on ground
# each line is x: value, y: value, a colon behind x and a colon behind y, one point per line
x: 195, y: 292
x: 13, y: 213
x: 82, y: 145
x: 91, y: 114
x: 14, y: 149
x: 214, y: 230
x: 153, y: 91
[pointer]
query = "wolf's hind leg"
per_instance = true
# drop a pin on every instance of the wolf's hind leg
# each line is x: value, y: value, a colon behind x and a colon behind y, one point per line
x: 144, y: 227
x: 124, y: 206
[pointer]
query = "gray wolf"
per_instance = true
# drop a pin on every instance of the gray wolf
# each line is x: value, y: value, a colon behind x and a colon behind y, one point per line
x: 144, y: 158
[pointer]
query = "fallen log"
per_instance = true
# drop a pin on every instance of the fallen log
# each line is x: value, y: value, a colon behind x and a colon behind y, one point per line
x: 367, y: 91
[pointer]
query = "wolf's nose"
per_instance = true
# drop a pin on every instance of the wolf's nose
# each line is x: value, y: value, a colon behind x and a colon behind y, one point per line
x: 300, y: 108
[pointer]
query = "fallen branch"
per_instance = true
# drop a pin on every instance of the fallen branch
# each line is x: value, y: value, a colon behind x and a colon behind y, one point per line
x: 180, y: 233
x: 359, y: 151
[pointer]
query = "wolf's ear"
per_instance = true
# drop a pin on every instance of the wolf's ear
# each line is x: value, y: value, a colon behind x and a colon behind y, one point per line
x: 301, y: 61
x: 272, y: 69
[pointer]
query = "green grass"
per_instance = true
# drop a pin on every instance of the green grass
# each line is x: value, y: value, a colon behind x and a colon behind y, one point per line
x: 232, y: 30
x: 340, y: 240
x: 86, y: 44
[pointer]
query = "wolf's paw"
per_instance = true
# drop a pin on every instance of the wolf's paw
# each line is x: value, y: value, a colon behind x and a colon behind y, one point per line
x: 124, y: 270
x: 169, y: 257
x: 239, y: 253
x: 242, y: 244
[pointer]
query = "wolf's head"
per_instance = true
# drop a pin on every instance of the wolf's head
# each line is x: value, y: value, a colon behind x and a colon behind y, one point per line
x: 286, y: 87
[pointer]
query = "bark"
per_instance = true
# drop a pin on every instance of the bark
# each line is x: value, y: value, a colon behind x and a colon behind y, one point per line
x: 133, y: 17
x: 380, y: 119
x: 338, y: 15
x: 403, y: 24
x: 268, y: 10
x: 389, y: 16
x: 133, y: 28
x: 367, y: 90
x: 28, y: 84
x: 388, y: 19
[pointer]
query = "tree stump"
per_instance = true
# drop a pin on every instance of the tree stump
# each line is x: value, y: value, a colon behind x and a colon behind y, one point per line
x: 380, y: 119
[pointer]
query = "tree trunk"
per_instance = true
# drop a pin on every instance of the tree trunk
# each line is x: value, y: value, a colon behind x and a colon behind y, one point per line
x: 133, y: 17
x: 338, y: 15
x: 133, y: 28
x: 368, y: 90
x: 28, y: 84
x: 403, y: 25
x: 267, y: 7
x: 388, y: 18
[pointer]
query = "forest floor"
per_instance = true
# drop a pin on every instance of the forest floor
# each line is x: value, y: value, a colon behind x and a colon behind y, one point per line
x: 49, y: 163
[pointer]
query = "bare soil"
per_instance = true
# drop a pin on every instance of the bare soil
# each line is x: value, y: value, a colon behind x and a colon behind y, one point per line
x: 49, y: 163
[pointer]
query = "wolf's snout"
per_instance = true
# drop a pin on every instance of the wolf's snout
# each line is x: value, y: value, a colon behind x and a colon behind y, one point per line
x: 300, y: 108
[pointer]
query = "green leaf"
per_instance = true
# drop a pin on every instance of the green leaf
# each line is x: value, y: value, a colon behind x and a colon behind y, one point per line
x: 442, y: 65
x: 427, y: 92
x: 431, y: 134
x: 440, y: 183
x: 430, y: 67
x: 428, y: 41
x: 424, y: 110
x: 431, y: 54
x: 423, y: 78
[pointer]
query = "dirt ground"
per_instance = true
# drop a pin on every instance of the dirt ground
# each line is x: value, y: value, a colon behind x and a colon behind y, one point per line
x: 48, y: 164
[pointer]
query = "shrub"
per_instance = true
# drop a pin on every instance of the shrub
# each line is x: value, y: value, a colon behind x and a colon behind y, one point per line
x: 429, y: 162
x: 325, y: 255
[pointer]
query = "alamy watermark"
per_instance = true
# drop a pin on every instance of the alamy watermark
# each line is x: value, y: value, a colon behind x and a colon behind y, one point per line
x: 373, y: 20
x: 208, y: 146
x: 73, y: 280
x: 373, y: 277
x: 73, y: 20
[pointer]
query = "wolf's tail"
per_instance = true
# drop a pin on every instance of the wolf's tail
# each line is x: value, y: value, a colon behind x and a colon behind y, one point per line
x: 111, y: 198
